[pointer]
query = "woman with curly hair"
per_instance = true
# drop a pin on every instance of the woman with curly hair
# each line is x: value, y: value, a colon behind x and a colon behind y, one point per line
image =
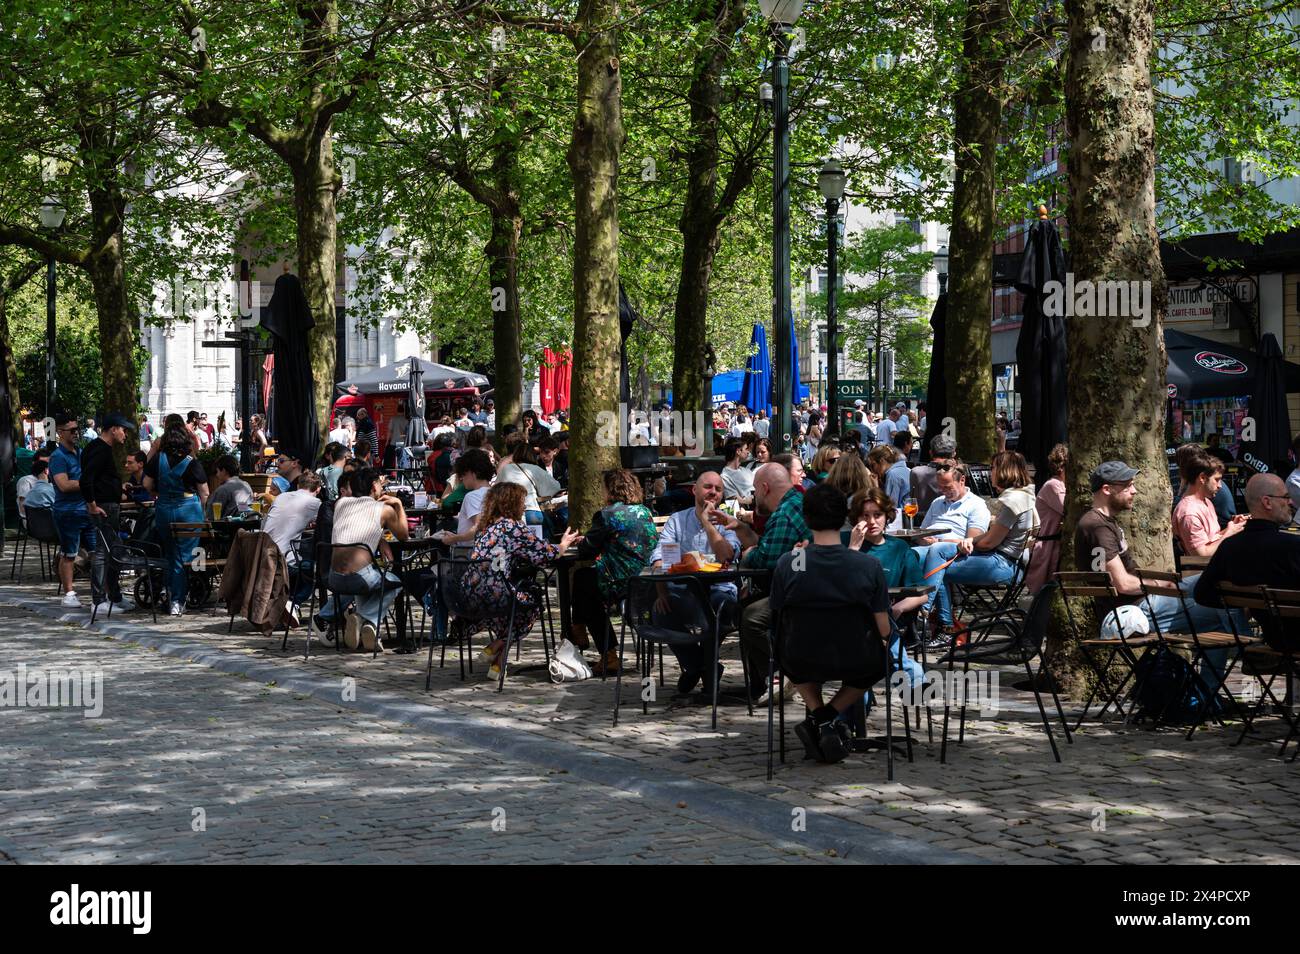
x: 621, y: 539
x: 509, y: 556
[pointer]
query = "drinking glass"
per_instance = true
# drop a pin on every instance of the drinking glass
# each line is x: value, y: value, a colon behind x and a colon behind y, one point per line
x: 216, y: 511
x: 909, y: 510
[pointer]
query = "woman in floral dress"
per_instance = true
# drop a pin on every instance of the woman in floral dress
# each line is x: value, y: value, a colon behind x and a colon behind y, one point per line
x: 621, y: 539
x: 511, y: 555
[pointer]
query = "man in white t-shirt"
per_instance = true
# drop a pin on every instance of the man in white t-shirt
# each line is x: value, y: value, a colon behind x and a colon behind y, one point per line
x: 741, y: 426
x: 342, y: 433
x: 293, y: 512
x: 475, y: 471
x: 39, y: 474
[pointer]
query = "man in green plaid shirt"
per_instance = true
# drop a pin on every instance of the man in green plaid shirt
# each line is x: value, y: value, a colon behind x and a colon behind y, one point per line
x: 785, y: 528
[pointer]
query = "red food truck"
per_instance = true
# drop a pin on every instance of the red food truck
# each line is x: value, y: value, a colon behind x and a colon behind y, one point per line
x: 384, y: 390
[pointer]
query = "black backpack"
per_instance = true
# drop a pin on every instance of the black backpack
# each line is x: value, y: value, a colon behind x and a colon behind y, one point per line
x: 1167, y: 688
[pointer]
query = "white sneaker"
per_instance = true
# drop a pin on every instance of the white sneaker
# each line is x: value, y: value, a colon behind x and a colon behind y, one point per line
x: 102, y: 609
x: 178, y: 609
x: 352, y: 631
x: 123, y: 606
x: 70, y: 600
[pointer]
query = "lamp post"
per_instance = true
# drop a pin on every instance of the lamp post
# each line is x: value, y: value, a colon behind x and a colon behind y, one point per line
x: 52, y: 215
x: 781, y: 15
x: 941, y: 266
x: 871, y: 373
x: 831, y: 181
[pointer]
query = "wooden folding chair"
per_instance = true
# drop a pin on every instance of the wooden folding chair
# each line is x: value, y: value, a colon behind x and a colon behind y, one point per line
x: 1161, y: 583
x: 1258, y: 661
x: 1127, y: 649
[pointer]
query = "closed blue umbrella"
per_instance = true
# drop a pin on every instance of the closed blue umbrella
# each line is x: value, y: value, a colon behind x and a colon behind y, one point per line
x: 758, y: 373
x: 801, y: 391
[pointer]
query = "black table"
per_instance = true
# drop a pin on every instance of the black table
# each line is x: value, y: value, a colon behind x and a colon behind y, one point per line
x: 912, y: 536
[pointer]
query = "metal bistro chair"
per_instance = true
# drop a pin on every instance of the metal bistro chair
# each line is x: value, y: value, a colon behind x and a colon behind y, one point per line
x: 145, y: 559
x: 1160, y: 583
x: 1026, y: 645
x: 1259, y: 661
x: 464, y: 616
x: 994, y: 605
x: 43, y: 529
x: 342, y: 584
x: 638, y: 614
x: 304, y: 544
x: 1127, y: 649
x: 844, y: 621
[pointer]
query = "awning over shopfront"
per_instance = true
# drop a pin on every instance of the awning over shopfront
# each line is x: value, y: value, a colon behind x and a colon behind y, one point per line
x: 1201, y: 368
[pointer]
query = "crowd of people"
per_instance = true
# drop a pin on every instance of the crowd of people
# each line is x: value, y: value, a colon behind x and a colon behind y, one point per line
x: 842, y: 498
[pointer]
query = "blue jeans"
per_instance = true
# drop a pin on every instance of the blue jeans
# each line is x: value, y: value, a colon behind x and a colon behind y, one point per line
x: 177, y: 552
x: 686, y: 612
x: 370, y: 607
x: 987, y: 568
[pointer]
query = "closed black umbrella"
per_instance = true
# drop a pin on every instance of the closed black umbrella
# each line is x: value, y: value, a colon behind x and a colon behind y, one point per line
x: 1269, y: 414
x: 1041, y: 351
x: 288, y: 319
x: 626, y: 321
x: 936, y: 395
x: 416, y: 430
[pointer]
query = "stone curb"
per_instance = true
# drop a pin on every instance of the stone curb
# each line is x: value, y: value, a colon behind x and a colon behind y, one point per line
x: 758, y: 813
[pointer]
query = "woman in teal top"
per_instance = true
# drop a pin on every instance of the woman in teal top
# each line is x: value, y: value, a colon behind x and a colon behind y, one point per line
x: 870, y: 512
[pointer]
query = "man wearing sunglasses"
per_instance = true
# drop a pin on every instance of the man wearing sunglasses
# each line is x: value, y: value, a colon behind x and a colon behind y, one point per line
x: 70, y: 515
x: 1260, y: 555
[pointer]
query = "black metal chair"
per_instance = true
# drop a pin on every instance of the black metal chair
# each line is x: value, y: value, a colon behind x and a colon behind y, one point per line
x: 995, y: 605
x: 1261, y: 662
x: 851, y: 622
x: 467, y: 615
x: 301, y: 546
x: 1022, y: 649
x: 348, y: 584
x: 144, y: 559
x: 639, y: 614
x: 20, y: 551
x: 42, y: 528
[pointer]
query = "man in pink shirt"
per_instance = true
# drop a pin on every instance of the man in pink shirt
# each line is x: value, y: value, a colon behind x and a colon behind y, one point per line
x: 1195, y: 522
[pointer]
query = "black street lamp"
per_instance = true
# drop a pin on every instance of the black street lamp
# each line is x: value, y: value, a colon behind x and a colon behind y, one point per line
x: 52, y: 215
x: 831, y: 181
x: 781, y: 14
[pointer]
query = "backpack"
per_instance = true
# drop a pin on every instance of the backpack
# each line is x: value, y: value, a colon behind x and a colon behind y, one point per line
x: 1161, y: 676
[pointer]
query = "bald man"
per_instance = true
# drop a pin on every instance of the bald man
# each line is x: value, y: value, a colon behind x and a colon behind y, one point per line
x: 774, y: 491
x: 1260, y: 555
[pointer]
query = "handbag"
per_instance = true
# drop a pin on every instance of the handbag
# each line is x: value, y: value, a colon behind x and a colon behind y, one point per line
x: 567, y: 664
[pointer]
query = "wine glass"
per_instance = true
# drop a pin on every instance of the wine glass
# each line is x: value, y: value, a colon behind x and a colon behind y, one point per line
x: 909, y: 510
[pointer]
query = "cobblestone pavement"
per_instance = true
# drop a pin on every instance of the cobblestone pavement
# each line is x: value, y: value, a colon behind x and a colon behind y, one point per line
x: 1120, y: 795
x: 265, y: 774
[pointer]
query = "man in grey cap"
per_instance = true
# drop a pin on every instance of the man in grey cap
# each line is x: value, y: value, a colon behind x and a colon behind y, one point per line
x: 904, y: 422
x: 1100, y: 546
